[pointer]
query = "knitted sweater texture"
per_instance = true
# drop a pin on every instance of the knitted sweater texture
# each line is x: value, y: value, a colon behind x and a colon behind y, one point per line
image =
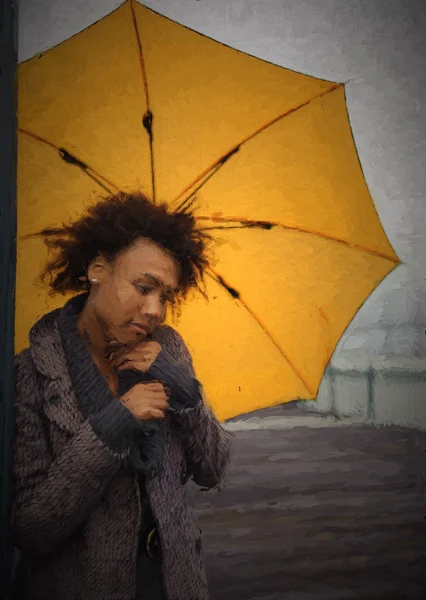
x: 76, y: 508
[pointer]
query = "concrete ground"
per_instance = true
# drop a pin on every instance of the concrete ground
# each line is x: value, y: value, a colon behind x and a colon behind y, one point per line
x: 317, y: 509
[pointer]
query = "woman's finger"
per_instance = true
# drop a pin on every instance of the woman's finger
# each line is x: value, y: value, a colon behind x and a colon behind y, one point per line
x: 132, y: 364
x: 151, y: 349
x: 129, y: 356
x: 148, y: 387
x: 144, y: 360
x: 156, y: 414
x: 121, y: 366
x: 160, y: 403
x: 118, y: 353
x: 157, y: 386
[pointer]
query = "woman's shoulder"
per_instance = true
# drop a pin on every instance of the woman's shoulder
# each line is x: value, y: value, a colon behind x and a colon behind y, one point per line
x: 23, y: 359
x: 24, y: 364
x: 26, y: 376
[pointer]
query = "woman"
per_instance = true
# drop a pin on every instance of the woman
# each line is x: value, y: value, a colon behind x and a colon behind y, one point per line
x: 110, y: 419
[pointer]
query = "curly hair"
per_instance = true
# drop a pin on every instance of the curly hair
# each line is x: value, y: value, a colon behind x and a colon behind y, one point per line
x: 113, y: 225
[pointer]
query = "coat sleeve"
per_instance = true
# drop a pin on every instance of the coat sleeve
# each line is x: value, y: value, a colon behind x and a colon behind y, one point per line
x: 52, y: 496
x: 206, y: 443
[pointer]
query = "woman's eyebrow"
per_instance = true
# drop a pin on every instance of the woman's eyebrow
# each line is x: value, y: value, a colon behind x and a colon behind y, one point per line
x: 160, y: 283
x: 153, y: 279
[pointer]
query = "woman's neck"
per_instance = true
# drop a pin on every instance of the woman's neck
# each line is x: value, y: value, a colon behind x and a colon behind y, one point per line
x: 92, y: 332
x: 93, y: 335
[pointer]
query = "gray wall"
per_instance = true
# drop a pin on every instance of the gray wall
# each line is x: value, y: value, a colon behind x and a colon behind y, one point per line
x: 378, y: 48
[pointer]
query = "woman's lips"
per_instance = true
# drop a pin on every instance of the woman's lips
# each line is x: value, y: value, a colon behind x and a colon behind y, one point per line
x: 139, y: 328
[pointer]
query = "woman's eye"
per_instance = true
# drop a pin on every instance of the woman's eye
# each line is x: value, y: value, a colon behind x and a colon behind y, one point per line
x: 143, y: 289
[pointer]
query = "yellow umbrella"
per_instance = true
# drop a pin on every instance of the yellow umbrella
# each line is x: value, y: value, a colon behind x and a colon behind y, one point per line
x: 138, y: 102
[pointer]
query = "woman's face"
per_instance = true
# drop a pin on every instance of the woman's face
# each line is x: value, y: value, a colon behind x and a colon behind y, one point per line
x: 129, y: 295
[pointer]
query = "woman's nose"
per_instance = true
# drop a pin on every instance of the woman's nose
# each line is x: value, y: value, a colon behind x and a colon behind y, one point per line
x: 152, y: 306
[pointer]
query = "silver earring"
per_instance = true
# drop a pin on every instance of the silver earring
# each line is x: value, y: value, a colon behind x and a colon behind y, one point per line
x: 94, y: 280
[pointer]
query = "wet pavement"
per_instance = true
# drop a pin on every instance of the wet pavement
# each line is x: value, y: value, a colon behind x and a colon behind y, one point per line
x: 320, y: 511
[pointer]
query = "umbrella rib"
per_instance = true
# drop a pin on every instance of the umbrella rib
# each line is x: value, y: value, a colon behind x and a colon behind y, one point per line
x: 147, y: 119
x: 237, y: 296
x: 140, y: 51
x: 241, y: 223
x: 203, y: 177
x: 74, y: 161
x: 208, y: 175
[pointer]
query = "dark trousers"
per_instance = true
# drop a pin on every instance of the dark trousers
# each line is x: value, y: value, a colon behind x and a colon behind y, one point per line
x: 149, y: 584
x: 149, y: 580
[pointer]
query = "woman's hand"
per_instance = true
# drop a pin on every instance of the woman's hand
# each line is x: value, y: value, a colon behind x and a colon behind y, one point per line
x: 139, y: 357
x: 146, y: 401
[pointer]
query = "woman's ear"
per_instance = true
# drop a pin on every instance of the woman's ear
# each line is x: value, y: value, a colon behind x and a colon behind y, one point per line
x: 98, y: 269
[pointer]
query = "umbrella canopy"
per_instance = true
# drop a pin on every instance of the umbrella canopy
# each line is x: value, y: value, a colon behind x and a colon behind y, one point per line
x: 139, y: 102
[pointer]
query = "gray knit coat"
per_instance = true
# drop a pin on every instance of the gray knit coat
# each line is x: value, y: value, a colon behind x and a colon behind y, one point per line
x: 77, y: 507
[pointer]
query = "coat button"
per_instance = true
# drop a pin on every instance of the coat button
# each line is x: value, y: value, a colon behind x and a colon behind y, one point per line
x: 55, y: 400
x: 198, y: 544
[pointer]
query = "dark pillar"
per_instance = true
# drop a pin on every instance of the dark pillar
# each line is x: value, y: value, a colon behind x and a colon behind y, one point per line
x: 8, y: 62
